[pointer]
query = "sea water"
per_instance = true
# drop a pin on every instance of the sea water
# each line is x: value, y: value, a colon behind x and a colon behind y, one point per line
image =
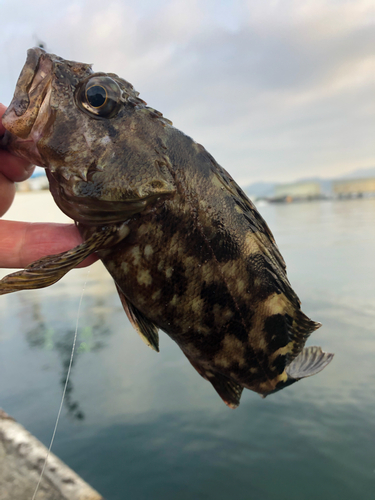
x: 142, y: 425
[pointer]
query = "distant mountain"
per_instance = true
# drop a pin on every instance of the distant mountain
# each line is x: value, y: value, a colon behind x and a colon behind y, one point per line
x: 260, y: 189
x: 266, y: 189
x: 360, y: 173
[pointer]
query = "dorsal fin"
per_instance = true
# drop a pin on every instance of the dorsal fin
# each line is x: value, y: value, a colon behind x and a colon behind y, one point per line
x: 299, y: 330
x: 310, y: 361
x: 145, y: 328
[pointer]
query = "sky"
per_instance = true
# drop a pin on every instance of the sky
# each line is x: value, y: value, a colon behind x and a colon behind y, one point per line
x: 275, y: 90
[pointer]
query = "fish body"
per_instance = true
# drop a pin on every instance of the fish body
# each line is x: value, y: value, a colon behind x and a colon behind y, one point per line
x: 188, y: 251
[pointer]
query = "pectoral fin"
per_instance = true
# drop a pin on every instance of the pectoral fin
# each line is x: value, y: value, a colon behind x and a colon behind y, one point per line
x: 144, y: 327
x: 46, y: 271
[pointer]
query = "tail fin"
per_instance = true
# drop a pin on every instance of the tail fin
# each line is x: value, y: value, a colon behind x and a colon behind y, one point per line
x: 310, y: 361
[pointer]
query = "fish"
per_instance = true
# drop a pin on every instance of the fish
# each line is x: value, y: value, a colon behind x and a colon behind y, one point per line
x: 188, y: 251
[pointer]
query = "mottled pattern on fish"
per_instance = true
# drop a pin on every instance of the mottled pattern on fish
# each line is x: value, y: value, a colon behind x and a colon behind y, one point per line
x: 205, y: 269
x: 187, y: 249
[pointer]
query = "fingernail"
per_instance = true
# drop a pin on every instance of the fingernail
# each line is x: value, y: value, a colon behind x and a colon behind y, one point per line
x: 30, y: 168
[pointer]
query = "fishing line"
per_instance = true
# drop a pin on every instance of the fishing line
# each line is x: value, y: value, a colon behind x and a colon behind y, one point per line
x: 65, y: 387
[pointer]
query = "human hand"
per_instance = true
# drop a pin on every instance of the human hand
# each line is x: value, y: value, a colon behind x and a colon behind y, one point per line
x: 23, y: 242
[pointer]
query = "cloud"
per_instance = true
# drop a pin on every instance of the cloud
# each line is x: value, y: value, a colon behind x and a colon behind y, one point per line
x: 274, y: 90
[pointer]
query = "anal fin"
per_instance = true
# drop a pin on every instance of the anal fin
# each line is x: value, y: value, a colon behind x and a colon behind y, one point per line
x: 229, y: 390
x: 310, y: 361
x: 144, y: 327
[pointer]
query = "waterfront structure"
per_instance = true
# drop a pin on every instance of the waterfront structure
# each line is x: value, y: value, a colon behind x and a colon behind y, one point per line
x: 354, y: 187
x: 21, y: 462
x: 297, y: 191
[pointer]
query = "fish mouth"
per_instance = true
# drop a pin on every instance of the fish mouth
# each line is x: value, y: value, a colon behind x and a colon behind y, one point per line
x: 29, y: 112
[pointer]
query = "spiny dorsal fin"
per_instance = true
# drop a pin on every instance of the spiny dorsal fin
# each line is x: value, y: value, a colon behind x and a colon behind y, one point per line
x: 145, y: 328
x: 310, y: 361
x: 256, y: 222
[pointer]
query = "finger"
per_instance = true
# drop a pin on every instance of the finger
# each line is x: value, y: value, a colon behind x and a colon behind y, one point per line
x: 2, y: 111
x: 16, y: 169
x: 7, y: 192
x: 21, y: 243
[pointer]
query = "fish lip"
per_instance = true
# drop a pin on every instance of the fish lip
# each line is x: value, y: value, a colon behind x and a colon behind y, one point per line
x: 20, y: 100
x: 32, y: 87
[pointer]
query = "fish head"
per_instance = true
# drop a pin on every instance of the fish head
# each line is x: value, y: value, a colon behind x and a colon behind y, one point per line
x: 101, y: 146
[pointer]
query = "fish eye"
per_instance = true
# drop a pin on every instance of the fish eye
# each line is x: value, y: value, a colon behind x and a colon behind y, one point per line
x: 100, y: 96
x: 96, y: 96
